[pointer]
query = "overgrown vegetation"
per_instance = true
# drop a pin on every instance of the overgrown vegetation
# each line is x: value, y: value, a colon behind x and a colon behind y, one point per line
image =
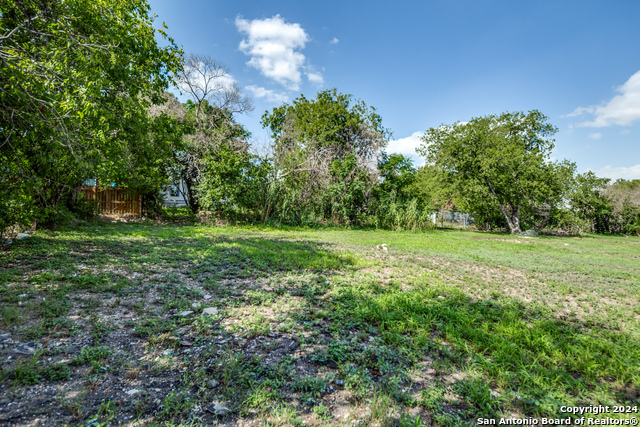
x: 325, y: 164
x: 77, y: 80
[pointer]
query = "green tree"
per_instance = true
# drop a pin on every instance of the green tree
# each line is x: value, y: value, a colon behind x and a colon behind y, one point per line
x: 397, y: 175
x: 77, y: 79
x: 398, y: 197
x: 347, y: 196
x: 333, y: 120
x: 496, y: 162
x: 314, y: 143
x: 209, y: 124
x: 235, y: 184
x: 430, y: 188
x: 624, y: 197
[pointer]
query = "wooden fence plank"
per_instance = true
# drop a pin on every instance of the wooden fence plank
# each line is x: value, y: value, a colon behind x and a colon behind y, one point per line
x: 114, y: 200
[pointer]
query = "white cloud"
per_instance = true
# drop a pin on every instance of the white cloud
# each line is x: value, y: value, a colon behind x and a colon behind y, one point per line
x: 315, y: 77
x: 270, y: 95
x: 596, y: 135
x: 335, y: 40
x: 274, y: 47
x: 622, y: 110
x: 625, y: 132
x: 579, y: 111
x: 631, y: 172
x: 406, y: 145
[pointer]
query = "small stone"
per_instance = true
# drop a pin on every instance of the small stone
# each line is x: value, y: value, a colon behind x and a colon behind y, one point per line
x: 133, y: 391
x: 440, y: 297
x: 495, y: 394
x: 207, y: 297
x: 213, y: 384
x: 185, y: 313
x: 25, y: 349
x: 5, y: 336
x: 339, y: 382
x: 211, y: 311
x: 218, y: 409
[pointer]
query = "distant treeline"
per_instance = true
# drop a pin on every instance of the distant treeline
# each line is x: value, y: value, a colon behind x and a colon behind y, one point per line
x: 84, y: 96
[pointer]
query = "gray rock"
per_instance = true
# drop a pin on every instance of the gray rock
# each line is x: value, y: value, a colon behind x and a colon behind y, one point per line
x: 218, y: 409
x: 213, y: 384
x: 5, y: 336
x: 133, y: 391
x: 185, y: 313
x: 25, y: 349
x: 529, y: 233
x: 339, y: 382
x: 212, y: 311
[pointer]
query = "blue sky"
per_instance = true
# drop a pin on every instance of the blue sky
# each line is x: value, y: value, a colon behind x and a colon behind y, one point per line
x: 422, y: 64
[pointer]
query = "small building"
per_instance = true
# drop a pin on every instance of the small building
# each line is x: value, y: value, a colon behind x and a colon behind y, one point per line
x: 174, y: 194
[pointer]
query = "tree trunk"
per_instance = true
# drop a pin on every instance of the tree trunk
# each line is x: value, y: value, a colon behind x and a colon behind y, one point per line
x: 512, y: 220
x: 516, y: 221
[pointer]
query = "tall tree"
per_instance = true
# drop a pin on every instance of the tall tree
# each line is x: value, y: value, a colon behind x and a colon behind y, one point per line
x: 315, y: 140
x: 500, y: 161
x: 333, y: 120
x: 210, y: 125
x: 76, y: 80
x: 625, y: 202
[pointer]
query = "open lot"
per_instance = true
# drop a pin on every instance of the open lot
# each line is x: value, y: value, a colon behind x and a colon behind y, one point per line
x: 104, y: 325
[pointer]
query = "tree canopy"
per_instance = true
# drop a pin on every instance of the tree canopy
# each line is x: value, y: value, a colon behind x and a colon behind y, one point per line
x: 76, y: 80
x: 496, y: 163
x: 324, y: 153
x: 333, y: 120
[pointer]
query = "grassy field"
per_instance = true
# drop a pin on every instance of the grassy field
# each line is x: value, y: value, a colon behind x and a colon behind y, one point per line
x: 314, y: 327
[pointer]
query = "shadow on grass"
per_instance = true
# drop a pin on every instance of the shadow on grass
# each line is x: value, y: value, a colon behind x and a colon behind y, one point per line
x: 133, y: 243
x: 536, y: 361
x: 521, y: 350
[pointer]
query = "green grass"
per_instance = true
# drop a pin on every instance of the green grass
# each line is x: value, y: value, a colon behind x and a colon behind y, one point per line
x: 455, y: 324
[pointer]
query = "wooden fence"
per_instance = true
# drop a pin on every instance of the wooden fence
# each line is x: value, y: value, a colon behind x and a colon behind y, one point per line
x: 114, y: 200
